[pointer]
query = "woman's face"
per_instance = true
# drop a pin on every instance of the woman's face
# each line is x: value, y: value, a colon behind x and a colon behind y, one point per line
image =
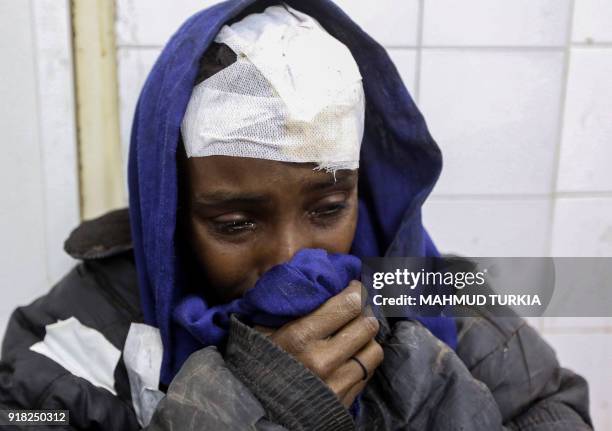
x: 246, y: 215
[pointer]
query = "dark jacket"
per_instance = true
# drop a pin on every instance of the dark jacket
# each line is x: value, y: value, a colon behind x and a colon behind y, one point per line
x: 503, y: 376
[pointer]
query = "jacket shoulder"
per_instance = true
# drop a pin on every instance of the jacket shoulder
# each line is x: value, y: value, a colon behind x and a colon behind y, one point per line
x: 518, y: 366
x: 100, y: 295
x: 93, y: 307
x: 106, y: 236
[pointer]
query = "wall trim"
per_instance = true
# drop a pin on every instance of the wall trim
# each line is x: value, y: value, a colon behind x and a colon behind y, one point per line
x: 100, y: 161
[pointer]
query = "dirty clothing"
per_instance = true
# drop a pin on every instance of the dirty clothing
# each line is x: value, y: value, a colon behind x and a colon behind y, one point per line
x: 502, y: 376
x: 398, y: 166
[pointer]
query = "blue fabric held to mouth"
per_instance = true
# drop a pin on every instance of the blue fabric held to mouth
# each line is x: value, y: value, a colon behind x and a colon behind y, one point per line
x: 282, y: 294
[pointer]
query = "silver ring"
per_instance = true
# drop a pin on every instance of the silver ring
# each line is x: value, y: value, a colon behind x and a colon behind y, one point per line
x: 363, y: 368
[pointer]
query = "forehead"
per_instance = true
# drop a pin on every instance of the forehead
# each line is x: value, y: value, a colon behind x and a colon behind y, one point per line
x: 214, y: 172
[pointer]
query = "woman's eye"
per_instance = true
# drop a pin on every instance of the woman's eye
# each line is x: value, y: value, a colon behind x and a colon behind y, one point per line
x: 233, y: 227
x: 329, y: 210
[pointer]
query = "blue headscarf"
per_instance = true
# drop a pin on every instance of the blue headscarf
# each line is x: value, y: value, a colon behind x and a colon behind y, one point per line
x: 399, y: 165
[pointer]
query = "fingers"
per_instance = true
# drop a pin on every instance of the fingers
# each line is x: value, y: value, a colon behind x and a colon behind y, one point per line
x: 350, y: 374
x: 336, y: 312
x: 326, y: 339
x: 350, y: 396
x: 352, y: 338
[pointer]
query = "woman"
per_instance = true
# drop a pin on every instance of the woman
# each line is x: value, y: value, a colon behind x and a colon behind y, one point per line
x: 271, y: 148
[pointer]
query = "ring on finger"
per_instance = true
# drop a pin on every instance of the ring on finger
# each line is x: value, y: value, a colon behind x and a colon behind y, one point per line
x: 363, y: 367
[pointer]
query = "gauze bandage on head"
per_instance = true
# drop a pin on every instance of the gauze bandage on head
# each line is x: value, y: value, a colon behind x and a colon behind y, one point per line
x: 294, y: 94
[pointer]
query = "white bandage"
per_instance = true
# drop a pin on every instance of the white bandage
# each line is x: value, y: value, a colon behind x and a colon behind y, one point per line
x: 294, y: 94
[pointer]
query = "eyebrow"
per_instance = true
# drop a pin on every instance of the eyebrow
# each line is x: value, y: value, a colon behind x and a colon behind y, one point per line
x: 227, y: 197
x: 230, y: 197
x: 341, y: 179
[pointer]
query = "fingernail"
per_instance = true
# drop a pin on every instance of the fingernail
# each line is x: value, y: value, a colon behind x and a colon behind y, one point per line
x: 354, y: 298
x: 372, y: 321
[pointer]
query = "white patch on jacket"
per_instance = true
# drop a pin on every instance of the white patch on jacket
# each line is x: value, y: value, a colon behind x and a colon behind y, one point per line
x: 142, y: 356
x: 82, y: 350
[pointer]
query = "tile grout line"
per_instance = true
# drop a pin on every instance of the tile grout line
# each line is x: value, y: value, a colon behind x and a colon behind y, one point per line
x: 488, y: 196
x: 561, y: 126
x: 501, y: 48
x: 589, y: 194
x: 521, y: 196
x: 419, y: 53
x: 601, y: 45
x: 419, y: 45
x: 41, y: 154
x: 575, y: 330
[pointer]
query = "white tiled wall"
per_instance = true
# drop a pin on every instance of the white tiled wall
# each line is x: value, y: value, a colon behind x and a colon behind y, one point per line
x: 586, y: 147
x: 134, y: 65
x: 471, y: 23
x: 518, y: 95
x: 592, y: 20
x: 582, y: 226
x: 38, y: 166
x: 397, y: 29
x: 495, y: 115
x: 476, y: 226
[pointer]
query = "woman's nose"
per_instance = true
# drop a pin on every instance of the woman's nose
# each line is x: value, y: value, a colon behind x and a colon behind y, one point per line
x: 285, y: 244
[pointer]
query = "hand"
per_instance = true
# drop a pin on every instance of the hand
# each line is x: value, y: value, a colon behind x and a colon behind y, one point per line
x: 326, y: 340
